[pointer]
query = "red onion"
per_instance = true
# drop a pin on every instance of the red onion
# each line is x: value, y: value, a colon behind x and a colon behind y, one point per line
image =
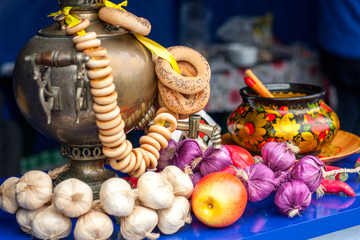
x: 214, y: 160
x: 259, y: 181
x: 279, y: 156
x: 166, y: 155
x: 186, y: 152
x: 292, y: 198
x: 309, y: 169
x: 196, y: 177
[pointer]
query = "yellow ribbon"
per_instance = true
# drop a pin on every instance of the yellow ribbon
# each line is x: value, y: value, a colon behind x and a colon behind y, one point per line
x: 154, y: 47
x: 118, y: 6
x: 69, y: 19
x: 159, y: 50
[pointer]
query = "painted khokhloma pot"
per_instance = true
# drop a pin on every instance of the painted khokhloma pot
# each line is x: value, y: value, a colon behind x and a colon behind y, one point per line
x: 297, y: 114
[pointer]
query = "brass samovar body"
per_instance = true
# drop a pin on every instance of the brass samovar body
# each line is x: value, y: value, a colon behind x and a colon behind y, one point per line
x: 55, y: 97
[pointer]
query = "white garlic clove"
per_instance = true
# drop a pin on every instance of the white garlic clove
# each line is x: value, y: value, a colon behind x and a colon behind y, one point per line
x: 50, y: 224
x: 25, y: 218
x: 155, y: 191
x: 139, y: 224
x: 180, y: 181
x: 73, y: 197
x: 34, y: 190
x: 93, y: 225
x: 173, y: 218
x: 117, y: 198
x: 7, y: 195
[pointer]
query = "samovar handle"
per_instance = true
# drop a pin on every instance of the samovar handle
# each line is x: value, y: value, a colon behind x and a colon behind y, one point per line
x: 48, y: 94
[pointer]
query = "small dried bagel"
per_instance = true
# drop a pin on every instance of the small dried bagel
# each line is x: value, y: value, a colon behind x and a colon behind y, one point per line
x: 178, y: 103
x: 184, y: 84
x: 125, y: 19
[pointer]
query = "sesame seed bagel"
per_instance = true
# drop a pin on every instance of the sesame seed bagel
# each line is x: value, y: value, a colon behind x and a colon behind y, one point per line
x: 125, y: 19
x: 181, y: 83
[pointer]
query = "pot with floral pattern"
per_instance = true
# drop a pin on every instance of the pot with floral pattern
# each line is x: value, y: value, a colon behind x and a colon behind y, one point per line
x: 297, y: 114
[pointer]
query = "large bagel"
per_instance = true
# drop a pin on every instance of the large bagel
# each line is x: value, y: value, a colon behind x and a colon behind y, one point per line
x: 178, y: 103
x: 125, y: 19
x: 179, y: 82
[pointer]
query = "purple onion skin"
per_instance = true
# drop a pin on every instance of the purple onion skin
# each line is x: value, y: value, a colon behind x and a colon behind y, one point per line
x: 281, y: 177
x: 260, y: 183
x: 196, y: 177
x: 186, y: 152
x: 277, y: 156
x: 292, y: 198
x: 214, y: 160
x: 308, y: 170
x: 166, y: 155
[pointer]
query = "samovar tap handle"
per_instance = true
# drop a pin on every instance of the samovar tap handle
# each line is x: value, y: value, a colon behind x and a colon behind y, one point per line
x: 194, y: 126
x: 50, y: 95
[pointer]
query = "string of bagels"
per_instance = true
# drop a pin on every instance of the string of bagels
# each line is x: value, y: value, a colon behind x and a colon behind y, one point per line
x: 183, y: 88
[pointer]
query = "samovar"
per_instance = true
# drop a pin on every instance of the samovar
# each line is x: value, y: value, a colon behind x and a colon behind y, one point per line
x: 52, y: 90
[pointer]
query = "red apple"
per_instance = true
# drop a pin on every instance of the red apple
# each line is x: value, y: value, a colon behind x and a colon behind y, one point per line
x: 219, y: 199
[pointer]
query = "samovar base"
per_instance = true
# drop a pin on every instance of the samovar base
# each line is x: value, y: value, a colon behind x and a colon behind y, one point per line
x: 86, y: 164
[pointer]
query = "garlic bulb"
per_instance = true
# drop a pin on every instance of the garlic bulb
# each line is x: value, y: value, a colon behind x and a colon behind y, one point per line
x: 93, y: 225
x: 25, y: 218
x: 173, y: 218
x: 139, y: 224
x: 50, y: 224
x: 7, y: 195
x: 180, y: 181
x: 155, y: 191
x: 33, y: 190
x: 117, y: 198
x: 73, y: 197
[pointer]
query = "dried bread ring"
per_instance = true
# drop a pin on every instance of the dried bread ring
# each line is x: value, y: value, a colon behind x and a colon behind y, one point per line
x: 108, y: 124
x: 111, y: 138
x: 125, y: 19
x: 145, y: 156
x: 114, y: 130
x: 108, y: 115
x: 115, y: 143
x: 99, y: 62
x: 161, y: 130
x: 99, y: 92
x: 114, y: 152
x: 102, y: 82
x: 119, y: 164
x: 167, y: 117
x: 165, y: 110
x: 99, y: 72
x: 137, y: 173
x: 84, y: 23
x: 104, y: 100
x: 139, y: 158
x: 173, y: 80
x: 86, y: 37
x: 104, y: 108
x: 161, y: 139
x: 149, y: 140
x: 131, y: 164
x: 92, y: 43
x: 178, y: 103
x: 153, y: 161
x: 95, y: 52
x: 151, y: 149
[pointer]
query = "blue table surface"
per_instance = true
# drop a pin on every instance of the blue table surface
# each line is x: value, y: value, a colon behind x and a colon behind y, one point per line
x: 260, y: 220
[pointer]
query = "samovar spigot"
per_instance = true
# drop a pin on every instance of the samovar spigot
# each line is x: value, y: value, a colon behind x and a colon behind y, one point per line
x: 194, y: 126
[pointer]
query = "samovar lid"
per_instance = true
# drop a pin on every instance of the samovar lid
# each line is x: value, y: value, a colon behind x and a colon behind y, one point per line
x: 81, y: 4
